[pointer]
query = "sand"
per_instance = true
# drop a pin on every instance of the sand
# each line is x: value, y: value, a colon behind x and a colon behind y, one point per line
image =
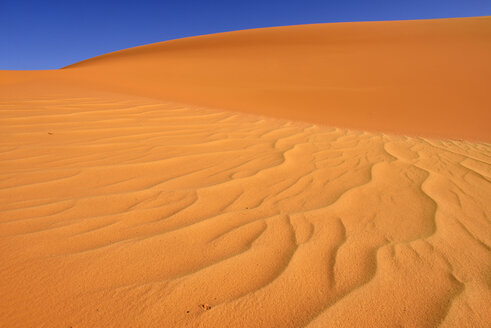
x: 167, y: 186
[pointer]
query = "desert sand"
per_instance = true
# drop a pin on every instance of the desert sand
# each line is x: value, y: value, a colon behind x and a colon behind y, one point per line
x: 331, y: 175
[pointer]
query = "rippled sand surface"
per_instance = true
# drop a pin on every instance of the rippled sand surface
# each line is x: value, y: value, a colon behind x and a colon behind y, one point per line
x: 119, y: 211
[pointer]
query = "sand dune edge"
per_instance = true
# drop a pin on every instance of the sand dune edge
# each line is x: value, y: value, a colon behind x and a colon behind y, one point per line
x: 420, y: 78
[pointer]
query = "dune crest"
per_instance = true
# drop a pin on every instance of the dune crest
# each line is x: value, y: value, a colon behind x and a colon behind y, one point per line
x: 426, y: 77
x: 421, y: 78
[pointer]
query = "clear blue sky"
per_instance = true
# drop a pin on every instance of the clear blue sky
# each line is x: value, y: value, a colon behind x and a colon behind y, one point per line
x: 48, y: 34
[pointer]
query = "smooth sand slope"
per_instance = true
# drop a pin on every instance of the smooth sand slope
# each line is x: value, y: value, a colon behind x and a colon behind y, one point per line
x: 119, y: 208
x: 426, y: 77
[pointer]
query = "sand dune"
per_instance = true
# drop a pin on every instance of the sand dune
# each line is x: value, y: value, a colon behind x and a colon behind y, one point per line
x: 119, y: 208
x: 421, y: 78
x: 380, y: 76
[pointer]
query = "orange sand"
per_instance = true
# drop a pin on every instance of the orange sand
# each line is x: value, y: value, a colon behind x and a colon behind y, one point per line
x: 122, y: 207
x: 428, y: 77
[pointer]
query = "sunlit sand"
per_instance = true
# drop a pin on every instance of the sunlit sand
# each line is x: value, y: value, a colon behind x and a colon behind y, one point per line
x: 333, y: 175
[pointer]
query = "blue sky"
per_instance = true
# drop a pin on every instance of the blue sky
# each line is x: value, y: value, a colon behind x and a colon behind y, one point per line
x: 49, y: 34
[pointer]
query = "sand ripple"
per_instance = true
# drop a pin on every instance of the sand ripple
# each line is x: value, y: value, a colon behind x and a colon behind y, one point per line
x: 127, y: 212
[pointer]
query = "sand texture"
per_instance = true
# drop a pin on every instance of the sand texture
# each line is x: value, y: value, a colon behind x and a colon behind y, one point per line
x: 119, y: 208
